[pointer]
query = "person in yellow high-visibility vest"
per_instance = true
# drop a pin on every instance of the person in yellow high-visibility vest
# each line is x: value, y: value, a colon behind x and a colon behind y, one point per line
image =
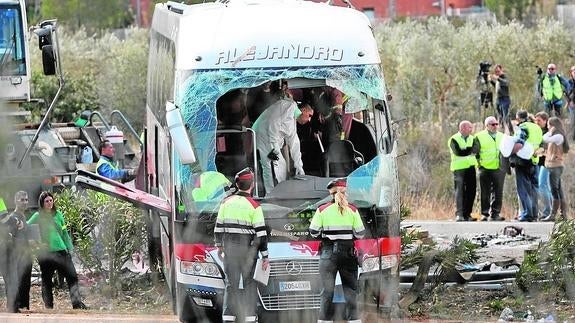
x: 463, y: 149
x: 491, y: 177
x: 552, y: 86
x: 526, y: 169
x: 338, y: 223
x: 240, y: 233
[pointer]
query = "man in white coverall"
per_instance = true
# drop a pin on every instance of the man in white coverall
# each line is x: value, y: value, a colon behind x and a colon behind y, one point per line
x: 274, y: 127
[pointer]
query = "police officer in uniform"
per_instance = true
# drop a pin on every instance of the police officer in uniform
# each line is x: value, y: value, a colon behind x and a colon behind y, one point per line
x: 338, y: 223
x: 240, y: 232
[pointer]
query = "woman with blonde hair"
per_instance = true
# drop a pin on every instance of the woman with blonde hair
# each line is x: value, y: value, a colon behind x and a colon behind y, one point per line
x: 557, y: 148
x: 337, y: 223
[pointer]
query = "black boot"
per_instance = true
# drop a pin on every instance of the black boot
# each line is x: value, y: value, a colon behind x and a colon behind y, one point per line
x: 47, y: 297
x: 76, y: 298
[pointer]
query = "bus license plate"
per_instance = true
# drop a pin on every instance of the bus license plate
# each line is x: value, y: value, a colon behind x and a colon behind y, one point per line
x: 295, y: 286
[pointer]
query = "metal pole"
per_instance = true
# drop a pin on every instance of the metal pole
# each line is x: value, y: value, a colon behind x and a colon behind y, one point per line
x: 138, y: 13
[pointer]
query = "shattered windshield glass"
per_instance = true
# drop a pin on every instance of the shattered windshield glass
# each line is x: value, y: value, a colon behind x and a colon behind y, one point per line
x: 198, y: 91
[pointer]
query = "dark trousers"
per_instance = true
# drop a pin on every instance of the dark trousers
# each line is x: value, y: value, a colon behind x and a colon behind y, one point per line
x: 465, y: 185
x: 334, y: 259
x: 8, y: 271
x: 60, y: 261
x: 491, y: 183
x: 24, y: 276
x: 239, y: 259
x: 527, y: 184
x: 555, y: 182
x: 502, y: 104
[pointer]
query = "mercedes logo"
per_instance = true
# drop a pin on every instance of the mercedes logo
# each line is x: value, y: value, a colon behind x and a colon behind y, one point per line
x: 289, y: 226
x: 294, y: 268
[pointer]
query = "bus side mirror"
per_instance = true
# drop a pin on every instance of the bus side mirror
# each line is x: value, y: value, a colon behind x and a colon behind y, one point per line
x: 48, y: 60
x: 44, y: 33
x: 179, y: 134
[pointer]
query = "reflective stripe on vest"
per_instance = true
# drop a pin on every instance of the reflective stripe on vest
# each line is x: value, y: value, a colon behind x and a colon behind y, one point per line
x: 103, y: 161
x: 534, y: 137
x: 551, y: 91
x: 461, y: 162
x: 489, y: 149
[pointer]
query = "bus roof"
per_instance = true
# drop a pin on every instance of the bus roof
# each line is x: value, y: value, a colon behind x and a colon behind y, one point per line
x: 266, y: 34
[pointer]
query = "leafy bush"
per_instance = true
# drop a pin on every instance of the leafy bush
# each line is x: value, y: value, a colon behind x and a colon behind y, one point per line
x: 105, y: 231
x: 551, y: 266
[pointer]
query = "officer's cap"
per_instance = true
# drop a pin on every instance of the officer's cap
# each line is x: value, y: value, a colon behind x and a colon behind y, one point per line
x: 338, y: 182
x: 244, y: 174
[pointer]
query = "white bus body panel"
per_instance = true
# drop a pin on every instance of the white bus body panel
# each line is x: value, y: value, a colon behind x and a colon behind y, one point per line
x: 267, y: 34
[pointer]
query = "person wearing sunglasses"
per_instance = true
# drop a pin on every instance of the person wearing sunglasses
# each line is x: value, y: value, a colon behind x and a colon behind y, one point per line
x: 552, y: 86
x: 491, y: 177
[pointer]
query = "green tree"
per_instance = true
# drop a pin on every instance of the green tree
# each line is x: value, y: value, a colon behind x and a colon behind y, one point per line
x: 93, y: 15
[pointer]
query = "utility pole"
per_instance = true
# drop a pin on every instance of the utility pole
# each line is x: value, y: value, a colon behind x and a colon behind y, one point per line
x: 391, y: 9
x: 138, y: 13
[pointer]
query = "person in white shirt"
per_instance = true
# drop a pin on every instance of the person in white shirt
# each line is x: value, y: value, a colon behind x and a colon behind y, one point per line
x: 275, y: 127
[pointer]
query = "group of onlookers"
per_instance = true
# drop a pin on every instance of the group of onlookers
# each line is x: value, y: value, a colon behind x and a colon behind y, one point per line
x: 21, y: 240
x: 536, y: 153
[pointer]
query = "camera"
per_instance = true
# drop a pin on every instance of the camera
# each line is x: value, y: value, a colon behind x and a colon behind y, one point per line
x: 539, y: 70
x: 485, y: 93
x: 484, y: 67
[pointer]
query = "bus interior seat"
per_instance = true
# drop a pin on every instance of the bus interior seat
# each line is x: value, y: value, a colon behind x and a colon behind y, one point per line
x: 362, y: 138
x: 341, y: 159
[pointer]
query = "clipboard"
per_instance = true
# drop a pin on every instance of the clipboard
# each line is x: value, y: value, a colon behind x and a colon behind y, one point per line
x: 261, y: 275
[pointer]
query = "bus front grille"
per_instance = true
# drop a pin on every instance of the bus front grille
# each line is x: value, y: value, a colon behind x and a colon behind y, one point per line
x: 294, y: 267
x: 290, y: 302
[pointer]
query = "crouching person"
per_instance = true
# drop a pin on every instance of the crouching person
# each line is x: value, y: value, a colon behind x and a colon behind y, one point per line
x: 55, y: 253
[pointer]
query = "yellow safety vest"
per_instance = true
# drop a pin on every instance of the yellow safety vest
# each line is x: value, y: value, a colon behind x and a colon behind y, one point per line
x: 330, y: 224
x: 461, y: 162
x: 534, y: 137
x: 489, y: 149
x: 551, y: 91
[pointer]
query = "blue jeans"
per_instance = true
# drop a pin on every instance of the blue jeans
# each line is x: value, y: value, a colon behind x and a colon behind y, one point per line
x: 526, y: 179
x: 544, y: 191
x: 502, y: 104
x: 553, y: 108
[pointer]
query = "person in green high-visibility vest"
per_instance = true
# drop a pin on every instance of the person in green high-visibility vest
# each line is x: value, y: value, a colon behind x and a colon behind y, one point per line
x: 463, y: 149
x: 491, y: 177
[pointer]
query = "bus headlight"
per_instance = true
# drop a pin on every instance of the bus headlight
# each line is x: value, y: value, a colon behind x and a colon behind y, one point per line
x: 200, y: 269
x: 372, y: 263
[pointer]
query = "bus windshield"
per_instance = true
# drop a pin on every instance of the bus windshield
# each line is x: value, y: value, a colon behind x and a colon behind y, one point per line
x: 12, y: 53
x: 196, y: 95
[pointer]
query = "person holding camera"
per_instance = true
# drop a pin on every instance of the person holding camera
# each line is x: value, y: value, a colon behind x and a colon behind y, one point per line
x: 503, y: 101
x: 551, y: 88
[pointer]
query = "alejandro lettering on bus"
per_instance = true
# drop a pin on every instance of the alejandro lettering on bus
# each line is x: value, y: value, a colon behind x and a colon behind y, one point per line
x: 303, y: 52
